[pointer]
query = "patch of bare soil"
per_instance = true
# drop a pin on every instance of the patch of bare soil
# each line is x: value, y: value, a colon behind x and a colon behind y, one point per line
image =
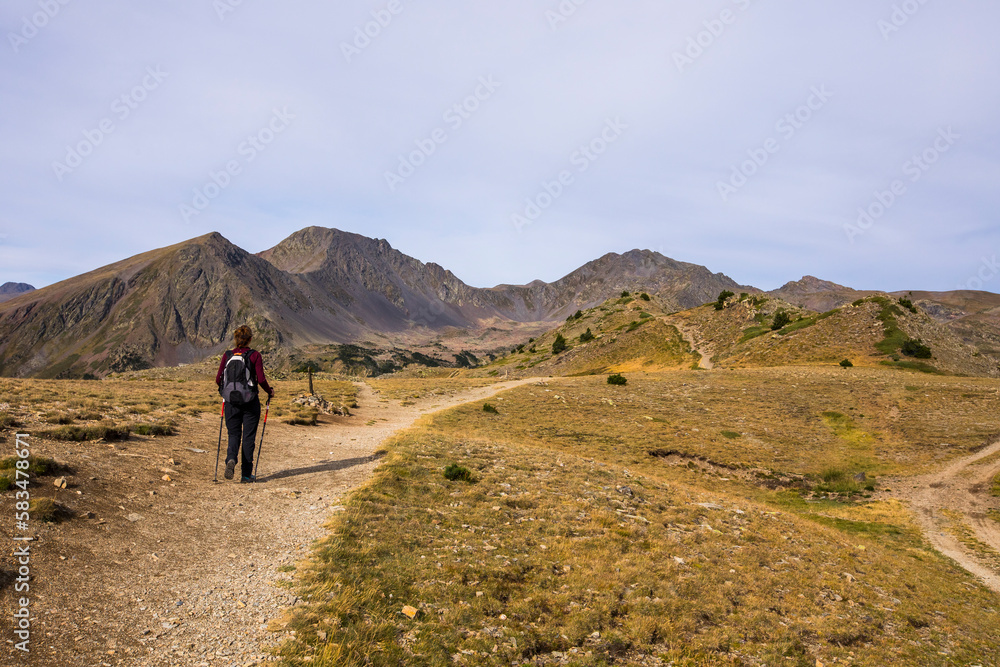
x: 960, y: 491
x: 155, y: 564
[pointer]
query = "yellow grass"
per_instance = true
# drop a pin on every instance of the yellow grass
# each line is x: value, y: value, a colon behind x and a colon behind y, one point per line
x: 574, y: 546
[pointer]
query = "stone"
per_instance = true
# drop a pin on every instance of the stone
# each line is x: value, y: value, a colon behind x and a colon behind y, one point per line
x: 60, y: 483
x: 409, y: 611
x: 166, y: 478
x: 134, y: 517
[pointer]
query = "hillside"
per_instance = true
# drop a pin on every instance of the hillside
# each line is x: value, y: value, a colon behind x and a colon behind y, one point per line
x: 163, y: 307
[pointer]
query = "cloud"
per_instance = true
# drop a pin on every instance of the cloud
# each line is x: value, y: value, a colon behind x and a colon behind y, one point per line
x: 358, y: 110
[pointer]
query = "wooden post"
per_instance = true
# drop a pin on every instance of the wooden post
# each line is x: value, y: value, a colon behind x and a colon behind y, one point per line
x: 311, y: 392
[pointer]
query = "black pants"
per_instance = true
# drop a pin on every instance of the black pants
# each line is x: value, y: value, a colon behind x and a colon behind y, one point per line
x: 241, y: 421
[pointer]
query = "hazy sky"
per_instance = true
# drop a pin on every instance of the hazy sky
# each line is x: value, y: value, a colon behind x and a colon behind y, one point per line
x: 515, y: 140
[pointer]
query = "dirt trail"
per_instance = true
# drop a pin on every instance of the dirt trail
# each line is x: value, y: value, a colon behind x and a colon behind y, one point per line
x: 961, y: 487
x: 705, y: 352
x: 186, y: 571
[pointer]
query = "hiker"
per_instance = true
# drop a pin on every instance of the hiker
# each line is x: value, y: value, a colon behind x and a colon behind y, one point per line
x: 240, y: 372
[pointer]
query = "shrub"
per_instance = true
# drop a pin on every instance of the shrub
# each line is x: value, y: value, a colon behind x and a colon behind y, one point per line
x: 457, y: 473
x: 625, y: 294
x: 165, y: 428
x: 7, y: 421
x: 846, y: 363
x: 644, y: 296
x: 487, y: 407
x: 732, y: 435
x: 107, y: 432
x: 43, y: 509
x: 38, y: 465
x: 906, y: 303
x: 578, y: 315
x: 617, y: 379
x: 586, y: 336
x: 559, y: 345
x: 781, y: 320
x: 720, y: 303
x: 915, y: 348
x: 7, y: 479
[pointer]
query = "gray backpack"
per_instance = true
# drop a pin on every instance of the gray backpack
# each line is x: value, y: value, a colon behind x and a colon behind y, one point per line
x: 239, y: 381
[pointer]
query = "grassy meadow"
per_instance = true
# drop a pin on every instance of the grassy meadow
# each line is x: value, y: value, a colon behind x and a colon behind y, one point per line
x: 686, y: 518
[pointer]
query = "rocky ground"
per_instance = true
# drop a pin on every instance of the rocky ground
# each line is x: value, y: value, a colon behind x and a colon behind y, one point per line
x: 153, y: 563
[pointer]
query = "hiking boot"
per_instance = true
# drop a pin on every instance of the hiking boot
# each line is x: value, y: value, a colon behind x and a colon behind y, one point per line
x: 230, y: 468
x: 248, y: 480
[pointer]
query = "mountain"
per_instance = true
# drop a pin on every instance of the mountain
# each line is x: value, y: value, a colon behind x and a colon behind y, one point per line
x: 318, y: 286
x: 162, y: 307
x: 10, y: 290
x: 324, y: 286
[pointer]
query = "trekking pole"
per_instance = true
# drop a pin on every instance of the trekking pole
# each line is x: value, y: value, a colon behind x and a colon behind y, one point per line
x: 218, y: 451
x: 267, y: 408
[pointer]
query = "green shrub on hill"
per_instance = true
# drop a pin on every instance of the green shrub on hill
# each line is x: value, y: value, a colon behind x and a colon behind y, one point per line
x: 617, y: 379
x: 781, y: 320
x: 586, y: 336
x: 559, y: 344
x: 720, y: 303
x: 915, y: 348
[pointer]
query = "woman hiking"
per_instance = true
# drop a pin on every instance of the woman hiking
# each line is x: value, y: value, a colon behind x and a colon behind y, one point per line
x: 240, y: 372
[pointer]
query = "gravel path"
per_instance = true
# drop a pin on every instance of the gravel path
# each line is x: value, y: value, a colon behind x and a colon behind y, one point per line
x: 184, y: 571
x: 962, y: 488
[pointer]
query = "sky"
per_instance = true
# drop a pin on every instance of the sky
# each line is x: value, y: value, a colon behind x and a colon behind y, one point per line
x: 856, y: 140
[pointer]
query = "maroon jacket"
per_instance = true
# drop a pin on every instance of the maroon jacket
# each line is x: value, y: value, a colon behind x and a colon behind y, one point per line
x: 258, y: 368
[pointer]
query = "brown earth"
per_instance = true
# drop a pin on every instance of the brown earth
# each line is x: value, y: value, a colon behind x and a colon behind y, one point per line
x: 959, y: 491
x: 146, y: 571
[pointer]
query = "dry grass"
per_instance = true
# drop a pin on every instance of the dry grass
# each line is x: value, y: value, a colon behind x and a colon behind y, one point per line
x: 146, y: 402
x: 398, y: 389
x: 574, y: 546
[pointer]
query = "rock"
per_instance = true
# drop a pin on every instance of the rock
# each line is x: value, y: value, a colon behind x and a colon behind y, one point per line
x: 134, y: 517
x: 60, y: 483
x: 166, y: 478
x: 860, y: 477
x: 409, y: 611
x: 321, y: 635
x: 626, y: 491
x: 196, y: 451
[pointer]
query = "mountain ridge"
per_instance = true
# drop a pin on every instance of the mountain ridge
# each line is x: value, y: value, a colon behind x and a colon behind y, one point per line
x: 320, y: 285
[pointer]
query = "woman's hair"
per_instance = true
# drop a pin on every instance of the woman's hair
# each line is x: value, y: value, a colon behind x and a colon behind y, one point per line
x: 242, y: 336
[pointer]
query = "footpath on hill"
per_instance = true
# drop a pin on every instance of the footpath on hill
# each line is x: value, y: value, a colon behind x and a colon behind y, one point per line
x: 173, y: 569
x: 959, y: 492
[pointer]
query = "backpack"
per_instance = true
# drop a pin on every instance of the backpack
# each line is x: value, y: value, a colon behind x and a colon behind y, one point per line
x: 239, y: 381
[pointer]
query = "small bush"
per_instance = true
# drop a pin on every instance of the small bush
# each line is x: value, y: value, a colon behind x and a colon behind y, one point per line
x: 915, y: 348
x: 732, y: 435
x: 457, y: 473
x: 559, y: 345
x: 720, y: 303
x: 107, y: 432
x: 7, y: 421
x: 846, y: 363
x: 781, y: 320
x: 906, y: 303
x: 625, y: 294
x: 487, y: 407
x: 644, y: 296
x: 38, y: 465
x: 617, y: 379
x: 7, y: 479
x: 586, y: 336
x: 43, y: 509
x: 303, y: 418
x: 155, y: 429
